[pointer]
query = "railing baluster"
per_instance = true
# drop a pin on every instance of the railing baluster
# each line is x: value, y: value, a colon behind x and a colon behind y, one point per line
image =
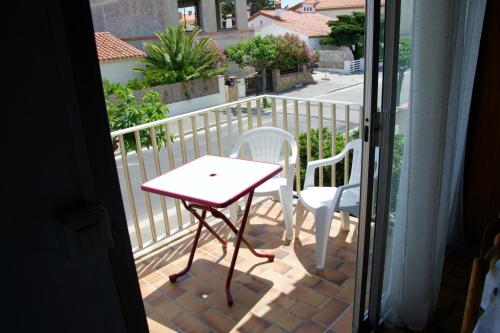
x: 180, y: 124
x: 285, y: 127
x: 240, y: 122
x: 171, y: 164
x: 229, y: 125
x: 194, y: 130
x: 208, y: 142
x: 334, y: 142
x: 320, y: 139
x: 273, y: 112
x: 249, y: 115
x: 130, y: 193
x: 297, y: 135
x: 259, y: 114
x: 156, y: 157
x: 308, y: 122
x: 217, y: 124
x: 346, y: 160
x: 144, y: 178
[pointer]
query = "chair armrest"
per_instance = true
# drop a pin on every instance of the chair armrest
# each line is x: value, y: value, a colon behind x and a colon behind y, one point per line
x: 313, y: 165
x: 340, y: 191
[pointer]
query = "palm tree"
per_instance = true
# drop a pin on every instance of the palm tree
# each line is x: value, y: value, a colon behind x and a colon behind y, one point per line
x: 181, y: 56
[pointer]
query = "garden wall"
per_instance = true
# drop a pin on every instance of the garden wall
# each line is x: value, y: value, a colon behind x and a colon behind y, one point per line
x: 205, y: 100
x: 283, y: 82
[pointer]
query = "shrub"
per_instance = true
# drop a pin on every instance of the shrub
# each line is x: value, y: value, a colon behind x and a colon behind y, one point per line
x: 292, y: 52
x: 125, y: 111
x: 181, y: 56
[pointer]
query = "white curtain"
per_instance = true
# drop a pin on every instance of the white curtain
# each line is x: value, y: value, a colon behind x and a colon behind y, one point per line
x: 445, y: 36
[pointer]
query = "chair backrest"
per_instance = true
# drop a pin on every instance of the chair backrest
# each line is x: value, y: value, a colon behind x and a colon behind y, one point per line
x: 357, y: 151
x: 265, y: 144
x: 356, y: 147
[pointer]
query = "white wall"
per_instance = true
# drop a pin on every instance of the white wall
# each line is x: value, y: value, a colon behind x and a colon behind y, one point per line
x: 199, y: 103
x: 334, y: 12
x: 120, y: 70
x: 260, y: 21
x: 277, y: 30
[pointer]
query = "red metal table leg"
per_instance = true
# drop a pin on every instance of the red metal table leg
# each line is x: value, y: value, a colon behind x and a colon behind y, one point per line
x: 174, y: 277
x: 218, y: 214
x: 237, y: 245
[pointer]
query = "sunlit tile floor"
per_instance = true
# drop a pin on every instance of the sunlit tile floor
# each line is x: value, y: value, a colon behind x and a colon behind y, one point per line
x: 287, y: 295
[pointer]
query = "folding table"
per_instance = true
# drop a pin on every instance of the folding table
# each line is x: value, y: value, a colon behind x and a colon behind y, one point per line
x: 210, y: 183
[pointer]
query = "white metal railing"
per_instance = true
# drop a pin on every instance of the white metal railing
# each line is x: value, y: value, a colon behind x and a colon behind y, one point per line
x: 155, y: 219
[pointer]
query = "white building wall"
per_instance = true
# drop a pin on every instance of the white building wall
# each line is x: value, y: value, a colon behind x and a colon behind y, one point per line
x: 120, y: 70
x: 277, y: 30
x: 260, y: 22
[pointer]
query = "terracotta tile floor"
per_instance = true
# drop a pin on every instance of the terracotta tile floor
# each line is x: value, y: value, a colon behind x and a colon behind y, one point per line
x: 287, y: 295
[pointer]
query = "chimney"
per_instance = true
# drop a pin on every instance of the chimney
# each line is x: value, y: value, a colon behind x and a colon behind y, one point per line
x: 278, y: 11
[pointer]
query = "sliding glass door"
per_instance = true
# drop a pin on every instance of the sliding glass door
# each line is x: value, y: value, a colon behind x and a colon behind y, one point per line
x: 381, y: 41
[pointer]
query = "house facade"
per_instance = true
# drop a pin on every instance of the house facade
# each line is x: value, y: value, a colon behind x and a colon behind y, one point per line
x: 137, y: 21
x: 117, y: 59
x: 303, y: 21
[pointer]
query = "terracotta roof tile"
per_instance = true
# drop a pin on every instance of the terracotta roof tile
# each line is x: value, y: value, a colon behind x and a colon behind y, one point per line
x: 333, y: 4
x: 309, y: 24
x: 110, y: 47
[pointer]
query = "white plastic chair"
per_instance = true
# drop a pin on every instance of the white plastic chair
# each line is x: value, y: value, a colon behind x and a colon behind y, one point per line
x: 265, y: 144
x: 322, y: 202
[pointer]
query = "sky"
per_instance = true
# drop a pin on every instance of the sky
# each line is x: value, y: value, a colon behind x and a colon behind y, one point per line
x: 289, y: 2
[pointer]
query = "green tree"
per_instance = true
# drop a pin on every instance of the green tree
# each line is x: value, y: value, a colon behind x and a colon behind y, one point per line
x: 256, y: 5
x: 348, y: 31
x: 181, y: 56
x: 125, y: 110
x: 404, y: 64
x: 258, y: 52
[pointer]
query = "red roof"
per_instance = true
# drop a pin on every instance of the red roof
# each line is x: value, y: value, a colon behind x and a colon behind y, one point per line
x: 308, y: 24
x: 334, y: 4
x: 110, y: 47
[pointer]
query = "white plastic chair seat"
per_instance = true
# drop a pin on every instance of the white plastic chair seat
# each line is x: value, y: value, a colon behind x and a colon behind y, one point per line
x: 314, y: 197
x: 270, y: 187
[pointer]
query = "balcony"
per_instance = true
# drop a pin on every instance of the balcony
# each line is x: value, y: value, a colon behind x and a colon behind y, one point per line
x: 288, y: 294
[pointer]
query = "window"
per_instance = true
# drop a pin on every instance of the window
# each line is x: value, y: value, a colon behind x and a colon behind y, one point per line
x: 226, y: 14
x: 189, y: 14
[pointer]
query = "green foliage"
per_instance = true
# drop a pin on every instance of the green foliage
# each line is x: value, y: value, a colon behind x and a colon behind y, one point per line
x: 135, y: 84
x: 256, y: 5
x: 258, y: 52
x: 404, y: 61
x: 404, y: 64
x: 181, y: 56
x: 279, y: 52
x: 125, y: 111
x: 397, y: 164
x: 348, y: 31
x: 292, y: 52
x: 327, y: 152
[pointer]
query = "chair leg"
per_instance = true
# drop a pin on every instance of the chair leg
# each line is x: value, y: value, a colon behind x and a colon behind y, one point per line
x: 287, y: 207
x: 299, y: 218
x: 323, y: 221
x: 345, y: 221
